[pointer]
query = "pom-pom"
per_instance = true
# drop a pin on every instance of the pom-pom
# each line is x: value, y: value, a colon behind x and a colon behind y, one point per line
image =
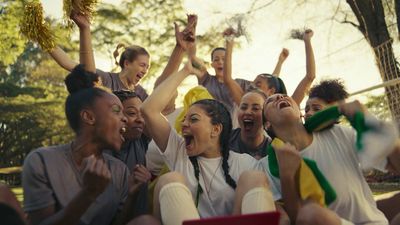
x: 297, y: 34
x: 35, y: 28
x: 84, y: 7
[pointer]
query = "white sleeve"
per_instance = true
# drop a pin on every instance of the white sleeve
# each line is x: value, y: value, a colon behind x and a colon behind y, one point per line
x: 274, y: 182
x: 175, y: 150
x: 377, y: 143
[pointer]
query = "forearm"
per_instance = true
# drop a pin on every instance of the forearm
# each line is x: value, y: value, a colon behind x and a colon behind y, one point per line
x: 291, y: 196
x: 278, y: 67
x: 310, y: 61
x: 62, y: 59
x: 172, y: 65
x: 161, y: 95
x: 86, y: 56
x: 126, y: 213
x: 71, y: 214
x: 234, y: 88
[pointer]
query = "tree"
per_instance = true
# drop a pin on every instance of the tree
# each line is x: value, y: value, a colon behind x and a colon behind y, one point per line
x: 372, y: 24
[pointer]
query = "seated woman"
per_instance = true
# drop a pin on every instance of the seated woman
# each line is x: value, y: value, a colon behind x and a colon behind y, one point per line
x: 335, y: 153
x: 76, y: 183
x: 203, y: 167
x: 250, y: 137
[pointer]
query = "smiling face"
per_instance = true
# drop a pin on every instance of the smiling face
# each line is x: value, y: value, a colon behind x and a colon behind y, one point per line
x: 280, y: 109
x: 200, y: 135
x: 137, y: 69
x: 314, y: 105
x: 218, y: 59
x: 109, y: 122
x: 135, y: 122
x: 261, y: 83
x: 250, y: 114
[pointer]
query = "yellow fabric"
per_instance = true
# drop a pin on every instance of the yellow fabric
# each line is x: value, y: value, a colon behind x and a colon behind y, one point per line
x: 193, y: 95
x: 309, y: 186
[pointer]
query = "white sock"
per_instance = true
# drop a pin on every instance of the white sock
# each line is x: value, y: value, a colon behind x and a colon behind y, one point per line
x: 258, y: 199
x: 176, y: 204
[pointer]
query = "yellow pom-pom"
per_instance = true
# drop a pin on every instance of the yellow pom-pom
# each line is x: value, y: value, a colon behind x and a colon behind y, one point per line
x: 35, y: 28
x: 84, y: 7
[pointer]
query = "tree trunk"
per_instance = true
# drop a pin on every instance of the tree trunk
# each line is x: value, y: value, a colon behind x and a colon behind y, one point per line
x: 372, y: 24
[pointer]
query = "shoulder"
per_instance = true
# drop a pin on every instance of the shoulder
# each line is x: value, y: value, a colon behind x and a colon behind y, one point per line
x: 206, y: 78
x: 47, y: 152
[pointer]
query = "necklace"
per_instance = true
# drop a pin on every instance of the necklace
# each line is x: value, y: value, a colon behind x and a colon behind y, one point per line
x: 208, y: 189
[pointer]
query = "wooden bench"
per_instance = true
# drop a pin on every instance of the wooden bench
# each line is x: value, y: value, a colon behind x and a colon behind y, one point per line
x: 11, y: 175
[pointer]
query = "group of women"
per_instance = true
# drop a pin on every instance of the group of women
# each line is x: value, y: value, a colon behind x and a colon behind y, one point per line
x: 101, y: 177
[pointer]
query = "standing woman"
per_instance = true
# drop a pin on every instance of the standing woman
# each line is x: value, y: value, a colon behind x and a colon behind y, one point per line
x: 203, y: 167
x: 334, y: 151
x: 76, y: 183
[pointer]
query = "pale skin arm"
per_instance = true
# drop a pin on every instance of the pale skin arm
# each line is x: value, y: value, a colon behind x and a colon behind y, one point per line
x: 96, y: 179
x: 86, y: 56
x: 157, y: 126
x: 234, y: 88
x: 306, y: 82
x: 281, y: 59
x: 182, y: 45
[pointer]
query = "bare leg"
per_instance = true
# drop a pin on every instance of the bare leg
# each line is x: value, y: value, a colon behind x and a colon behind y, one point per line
x: 253, y: 187
x: 173, y: 202
x: 312, y: 213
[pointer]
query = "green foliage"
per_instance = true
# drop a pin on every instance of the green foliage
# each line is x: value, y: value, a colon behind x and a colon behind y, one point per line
x: 12, y: 45
x: 378, y: 106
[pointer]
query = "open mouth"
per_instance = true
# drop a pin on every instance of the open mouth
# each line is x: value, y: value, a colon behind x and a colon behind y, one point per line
x: 122, y: 131
x: 248, y: 124
x: 188, y: 140
x: 283, y: 104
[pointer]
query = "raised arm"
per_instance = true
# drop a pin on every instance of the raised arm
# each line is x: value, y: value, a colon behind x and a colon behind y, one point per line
x: 234, y: 88
x: 306, y: 82
x: 183, y: 39
x: 62, y: 59
x: 86, y: 56
x: 157, y: 125
x: 281, y: 59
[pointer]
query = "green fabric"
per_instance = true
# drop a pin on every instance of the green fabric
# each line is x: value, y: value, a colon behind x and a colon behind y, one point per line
x: 330, y: 194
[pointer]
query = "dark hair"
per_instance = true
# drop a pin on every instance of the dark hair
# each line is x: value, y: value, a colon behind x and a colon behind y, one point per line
x: 216, y: 49
x: 130, y: 53
x: 253, y: 89
x: 274, y: 82
x: 82, y: 93
x: 9, y: 215
x: 329, y: 90
x: 219, y: 115
x: 124, y: 95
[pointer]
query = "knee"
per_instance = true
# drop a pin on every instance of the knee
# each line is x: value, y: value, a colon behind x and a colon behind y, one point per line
x: 145, y: 220
x: 309, y: 214
x: 171, y: 177
x: 250, y: 179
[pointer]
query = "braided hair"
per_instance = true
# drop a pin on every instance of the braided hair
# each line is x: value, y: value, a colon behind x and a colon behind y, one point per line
x: 219, y: 115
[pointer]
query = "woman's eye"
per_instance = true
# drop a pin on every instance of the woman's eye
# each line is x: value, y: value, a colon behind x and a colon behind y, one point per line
x: 116, y: 108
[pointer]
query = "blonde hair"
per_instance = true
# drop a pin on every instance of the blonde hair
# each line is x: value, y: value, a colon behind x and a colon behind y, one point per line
x: 129, y: 53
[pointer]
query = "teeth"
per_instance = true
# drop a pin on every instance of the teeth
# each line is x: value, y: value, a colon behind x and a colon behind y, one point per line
x: 123, y: 129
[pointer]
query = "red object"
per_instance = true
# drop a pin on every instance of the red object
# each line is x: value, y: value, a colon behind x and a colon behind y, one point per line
x: 269, y: 218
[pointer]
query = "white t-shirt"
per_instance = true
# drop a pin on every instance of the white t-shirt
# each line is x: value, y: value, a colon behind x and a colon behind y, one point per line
x: 154, y: 160
x: 335, y: 153
x: 217, y: 197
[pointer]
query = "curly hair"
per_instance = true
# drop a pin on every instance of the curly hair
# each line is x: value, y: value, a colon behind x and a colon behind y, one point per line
x: 332, y: 90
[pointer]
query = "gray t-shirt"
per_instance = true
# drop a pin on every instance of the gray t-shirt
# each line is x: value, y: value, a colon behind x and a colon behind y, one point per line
x: 220, y: 91
x: 236, y: 144
x: 112, y: 81
x: 50, y: 177
x: 133, y: 153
